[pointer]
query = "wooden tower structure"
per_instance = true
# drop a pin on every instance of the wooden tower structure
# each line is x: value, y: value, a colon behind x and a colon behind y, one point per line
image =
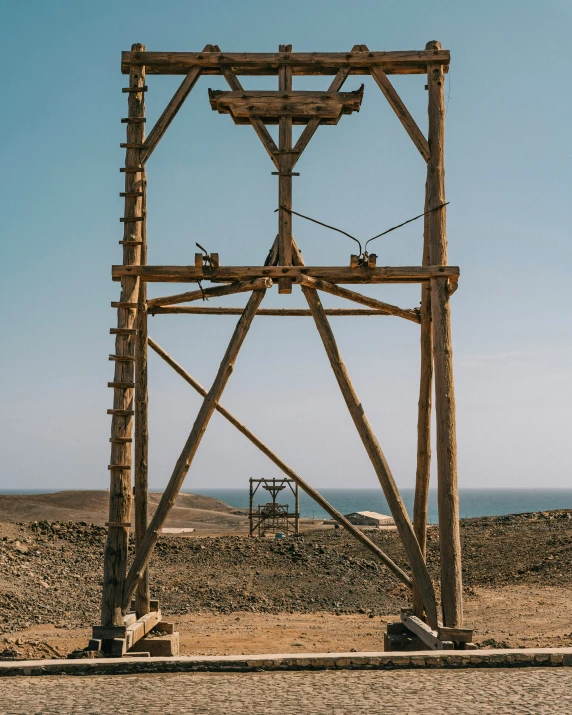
x: 283, y: 267
x: 271, y: 516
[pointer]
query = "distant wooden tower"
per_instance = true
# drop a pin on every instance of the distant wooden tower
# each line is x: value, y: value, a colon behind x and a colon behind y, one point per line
x: 271, y: 516
x: 284, y: 266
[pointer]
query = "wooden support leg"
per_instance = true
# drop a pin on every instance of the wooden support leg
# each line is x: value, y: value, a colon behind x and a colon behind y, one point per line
x: 423, y: 474
x: 288, y: 471
x: 115, y: 560
x: 285, y: 164
x: 141, y: 456
x: 377, y: 458
x: 189, y: 450
x: 447, y: 491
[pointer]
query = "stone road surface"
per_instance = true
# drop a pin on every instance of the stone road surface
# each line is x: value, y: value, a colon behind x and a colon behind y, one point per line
x: 522, y: 690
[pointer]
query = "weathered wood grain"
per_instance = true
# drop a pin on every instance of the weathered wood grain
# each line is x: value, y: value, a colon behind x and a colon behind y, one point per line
x: 423, y: 470
x: 276, y: 312
x: 301, y: 63
x: 447, y: 490
x: 375, y: 453
x: 141, y: 450
x: 186, y: 457
x: 401, y: 111
x: 333, y: 274
x: 238, y: 287
x: 387, y: 308
x: 428, y: 635
x: 115, y: 559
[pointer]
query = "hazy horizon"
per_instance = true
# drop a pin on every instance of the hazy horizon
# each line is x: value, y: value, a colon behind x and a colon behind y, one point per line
x: 508, y: 163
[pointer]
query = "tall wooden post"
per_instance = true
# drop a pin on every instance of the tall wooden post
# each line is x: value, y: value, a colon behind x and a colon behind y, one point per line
x: 448, y: 498
x: 423, y: 473
x: 285, y: 164
x: 115, y: 564
x: 297, y: 510
x: 141, y: 456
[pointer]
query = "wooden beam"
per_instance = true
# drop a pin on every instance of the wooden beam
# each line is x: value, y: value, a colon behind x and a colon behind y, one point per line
x: 458, y: 635
x: 333, y: 289
x: 183, y: 464
x: 313, y: 124
x: 268, y: 63
x: 447, y: 489
x: 401, y: 111
x: 376, y: 456
x: 428, y: 635
x: 238, y: 287
x: 423, y: 471
x: 275, y: 312
x: 170, y: 112
x: 134, y: 632
x: 141, y: 452
x: 190, y: 274
x: 285, y: 178
x: 120, y: 490
x: 257, y: 124
x: 300, y: 106
x: 288, y: 471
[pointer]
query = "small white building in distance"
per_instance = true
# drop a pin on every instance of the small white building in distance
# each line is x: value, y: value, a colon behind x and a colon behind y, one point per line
x: 366, y: 518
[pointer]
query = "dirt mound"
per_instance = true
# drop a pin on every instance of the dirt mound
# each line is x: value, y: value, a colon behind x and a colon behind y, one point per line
x: 93, y: 507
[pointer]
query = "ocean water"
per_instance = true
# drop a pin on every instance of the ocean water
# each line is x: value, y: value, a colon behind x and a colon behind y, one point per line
x: 472, y: 502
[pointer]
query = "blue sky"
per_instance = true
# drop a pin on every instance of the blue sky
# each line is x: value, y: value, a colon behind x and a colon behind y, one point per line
x: 508, y: 180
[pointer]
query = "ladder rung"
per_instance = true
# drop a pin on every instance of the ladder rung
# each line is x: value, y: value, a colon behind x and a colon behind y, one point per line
x: 120, y: 413
x: 134, y: 89
x: 119, y: 304
x: 131, y: 219
x: 122, y: 358
x: 121, y: 385
x: 130, y: 193
x: 120, y: 440
x: 135, y: 120
x: 130, y: 243
x: 131, y: 169
x: 123, y: 331
x: 127, y: 145
x: 118, y: 467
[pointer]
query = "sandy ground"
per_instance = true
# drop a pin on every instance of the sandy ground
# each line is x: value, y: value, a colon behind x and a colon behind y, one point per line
x: 520, y: 615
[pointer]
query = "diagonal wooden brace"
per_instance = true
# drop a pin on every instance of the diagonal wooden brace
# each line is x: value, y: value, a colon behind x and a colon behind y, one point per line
x: 183, y: 464
x: 415, y: 557
x: 388, y: 308
x: 236, y: 287
x: 312, y: 493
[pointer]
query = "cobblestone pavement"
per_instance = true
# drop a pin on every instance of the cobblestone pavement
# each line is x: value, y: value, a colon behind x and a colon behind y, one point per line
x: 523, y: 690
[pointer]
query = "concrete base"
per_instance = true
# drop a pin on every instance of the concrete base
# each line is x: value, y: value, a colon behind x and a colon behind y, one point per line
x: 501, y: 658
x: 164, y: 645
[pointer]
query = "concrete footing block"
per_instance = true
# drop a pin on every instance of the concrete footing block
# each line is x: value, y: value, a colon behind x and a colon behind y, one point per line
x: 159, y: 644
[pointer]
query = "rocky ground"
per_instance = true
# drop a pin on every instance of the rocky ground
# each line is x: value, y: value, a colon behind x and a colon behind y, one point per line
x: 51, y: 573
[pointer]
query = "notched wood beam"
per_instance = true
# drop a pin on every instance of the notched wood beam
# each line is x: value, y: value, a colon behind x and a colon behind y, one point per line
x: 257, y: 124
x: 238, y: 287
x: 429, y: 636
x: 333, y: 274
x: 170, y: 112
x: 401, y: 111
x: 386, y: 308
x: 301, y: 63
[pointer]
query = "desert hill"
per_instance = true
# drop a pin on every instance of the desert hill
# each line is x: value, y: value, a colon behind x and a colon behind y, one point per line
x: 190, y: 510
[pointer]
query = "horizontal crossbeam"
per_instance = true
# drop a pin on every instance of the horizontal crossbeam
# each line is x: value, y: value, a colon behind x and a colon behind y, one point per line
x: 269, y: 63
x: 190, y: 274
x: 275, y: 312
